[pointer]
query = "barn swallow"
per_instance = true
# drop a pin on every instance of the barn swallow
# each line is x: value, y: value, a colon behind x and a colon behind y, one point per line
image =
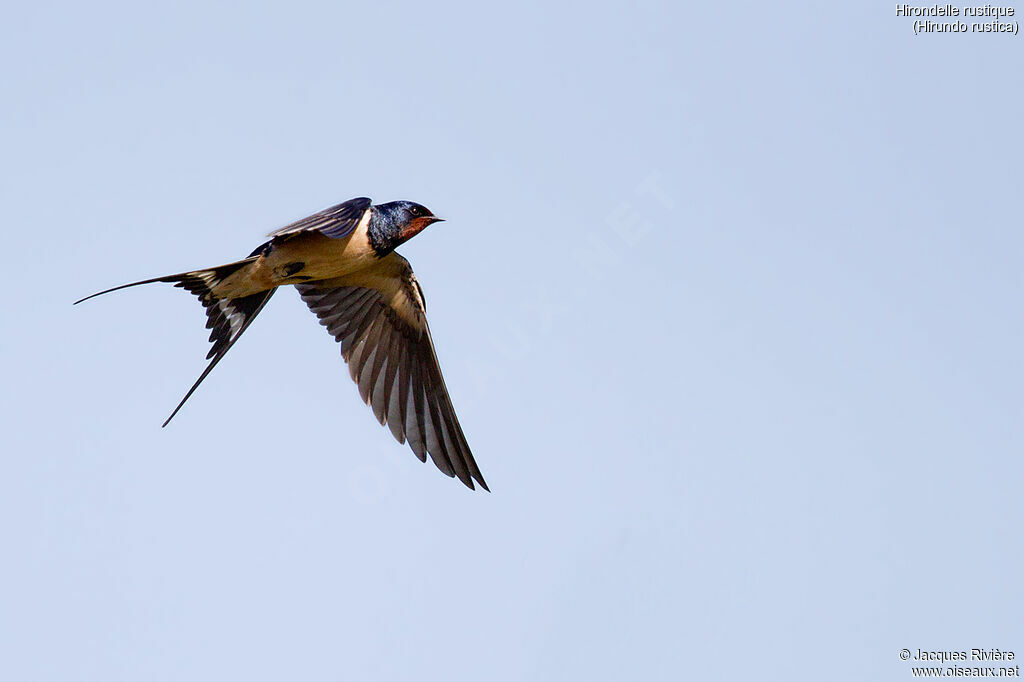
x: 342, y: 260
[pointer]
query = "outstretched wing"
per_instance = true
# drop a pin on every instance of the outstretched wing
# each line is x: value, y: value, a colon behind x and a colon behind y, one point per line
x: 335, y: 222
x: 379, y: 317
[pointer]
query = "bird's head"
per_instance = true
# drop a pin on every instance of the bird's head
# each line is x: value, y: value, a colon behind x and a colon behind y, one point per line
x: 400, y: 221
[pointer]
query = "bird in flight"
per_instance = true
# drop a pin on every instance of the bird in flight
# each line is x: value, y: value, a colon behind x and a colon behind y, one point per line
x: 343, y: 262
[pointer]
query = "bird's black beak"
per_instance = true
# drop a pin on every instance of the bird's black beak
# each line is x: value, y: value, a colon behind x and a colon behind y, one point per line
x: 435, y: 219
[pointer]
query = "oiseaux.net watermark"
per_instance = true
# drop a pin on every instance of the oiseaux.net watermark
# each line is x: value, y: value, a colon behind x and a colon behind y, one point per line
x: 978, y: 662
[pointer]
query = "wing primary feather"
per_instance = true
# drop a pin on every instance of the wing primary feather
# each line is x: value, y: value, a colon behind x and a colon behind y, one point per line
x: 382, y: 348
x: 369, y: 350
x: 378, y: 400
x: 402, y: 388
x: 462, y: 449
x: 396, y: 418
x: 387, y: 376
x: 445, y: 439
x: 432, y: 423
x: 414, y: 408
x: 379, y: 388
x: 361, y: 348
x: 362, y: 353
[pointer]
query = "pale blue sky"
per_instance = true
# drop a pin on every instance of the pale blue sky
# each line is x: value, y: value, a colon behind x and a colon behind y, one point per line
x: 729, y: 301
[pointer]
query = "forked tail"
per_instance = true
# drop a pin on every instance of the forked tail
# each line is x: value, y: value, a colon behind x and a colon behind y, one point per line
x: 227, y: 318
